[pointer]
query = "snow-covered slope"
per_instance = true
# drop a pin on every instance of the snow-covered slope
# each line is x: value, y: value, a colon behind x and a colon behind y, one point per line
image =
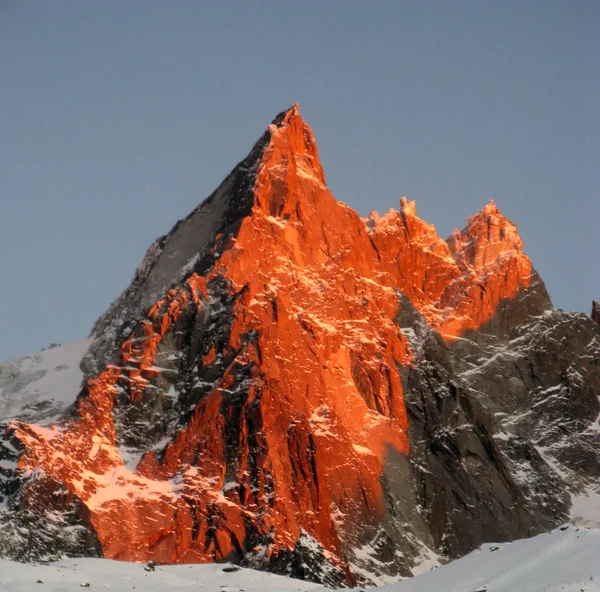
x: 585, y: 509
x: 561, y: 561
x: 40, y: 386
x: 73, y: 574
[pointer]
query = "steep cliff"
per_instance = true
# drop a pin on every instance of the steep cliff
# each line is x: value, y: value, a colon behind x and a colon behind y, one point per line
x: 288, y: 386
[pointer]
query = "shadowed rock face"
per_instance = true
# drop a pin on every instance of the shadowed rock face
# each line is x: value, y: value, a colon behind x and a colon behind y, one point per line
x: 288, y: 386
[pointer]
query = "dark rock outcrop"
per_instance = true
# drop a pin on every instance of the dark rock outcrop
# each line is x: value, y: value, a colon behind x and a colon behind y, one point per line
x: 596, y: 311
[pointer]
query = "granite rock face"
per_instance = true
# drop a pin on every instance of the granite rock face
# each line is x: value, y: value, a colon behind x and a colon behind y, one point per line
x: 287, y: 386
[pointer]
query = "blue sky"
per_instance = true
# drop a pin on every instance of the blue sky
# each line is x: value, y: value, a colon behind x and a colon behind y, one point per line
x: 118, y: 118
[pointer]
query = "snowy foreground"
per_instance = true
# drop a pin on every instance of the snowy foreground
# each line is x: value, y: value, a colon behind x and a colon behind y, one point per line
x: 74, y: 574
x: 567, y: 561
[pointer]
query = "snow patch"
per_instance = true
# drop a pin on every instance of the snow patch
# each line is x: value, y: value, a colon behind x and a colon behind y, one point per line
x: 585, y: 508
x: 39, y: 387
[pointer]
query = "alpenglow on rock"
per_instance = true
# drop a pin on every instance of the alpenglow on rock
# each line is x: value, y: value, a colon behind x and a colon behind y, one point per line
x: 287, y: 386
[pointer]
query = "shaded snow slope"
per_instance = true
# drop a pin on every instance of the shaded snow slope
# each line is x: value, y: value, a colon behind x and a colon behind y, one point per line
x: 40, y: 386
x: 565, y: 561
x: 585, y: 509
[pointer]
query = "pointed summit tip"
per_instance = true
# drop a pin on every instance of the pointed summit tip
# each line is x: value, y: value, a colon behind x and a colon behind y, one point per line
x: 408, y: 208
x: 286, y: 115
x: 490, y: 208
x: 489, y: 212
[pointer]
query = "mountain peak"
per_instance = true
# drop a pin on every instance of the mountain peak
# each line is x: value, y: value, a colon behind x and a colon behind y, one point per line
x: 257, y: 365
x: 490, y: 209
x: 286, y: 115
x: 277, y: 173
x: 489, y: 212
x: 408, y: 208
x: 487, y: 236
x: 290, y: 162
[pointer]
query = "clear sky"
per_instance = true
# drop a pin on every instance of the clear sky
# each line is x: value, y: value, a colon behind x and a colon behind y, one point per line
x: 119, y: 117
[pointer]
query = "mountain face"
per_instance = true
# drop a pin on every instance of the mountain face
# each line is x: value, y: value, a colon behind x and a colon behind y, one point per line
x: 290, y: 387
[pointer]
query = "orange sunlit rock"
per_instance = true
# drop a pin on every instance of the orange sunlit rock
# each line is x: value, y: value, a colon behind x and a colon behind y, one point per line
x: 298, y: 445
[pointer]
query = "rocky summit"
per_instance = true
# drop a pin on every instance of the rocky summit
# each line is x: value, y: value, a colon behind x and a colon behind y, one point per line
x: 287, y: 386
